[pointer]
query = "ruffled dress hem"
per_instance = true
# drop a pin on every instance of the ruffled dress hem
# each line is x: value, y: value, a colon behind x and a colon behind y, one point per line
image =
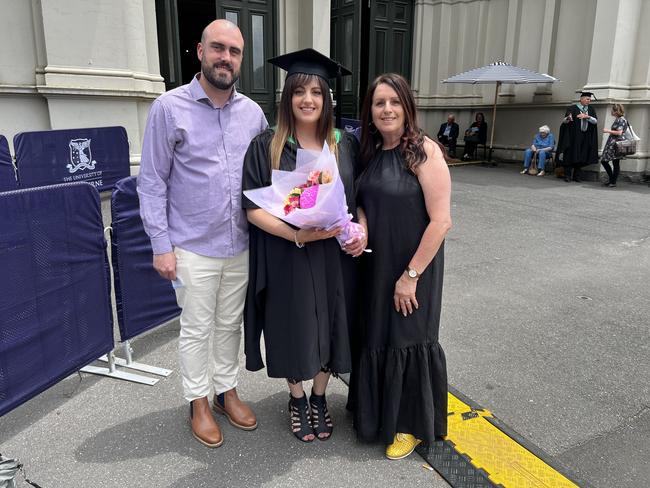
x: 402, y: 390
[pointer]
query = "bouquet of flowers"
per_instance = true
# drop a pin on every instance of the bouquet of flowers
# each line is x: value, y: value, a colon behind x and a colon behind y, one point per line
x: 311, y: 196
x: 305, y: 195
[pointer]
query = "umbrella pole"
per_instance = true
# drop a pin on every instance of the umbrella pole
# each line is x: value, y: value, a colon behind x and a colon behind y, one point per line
x: 494, y: 117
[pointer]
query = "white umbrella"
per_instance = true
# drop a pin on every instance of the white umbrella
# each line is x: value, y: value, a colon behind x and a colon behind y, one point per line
x: 499, y: 73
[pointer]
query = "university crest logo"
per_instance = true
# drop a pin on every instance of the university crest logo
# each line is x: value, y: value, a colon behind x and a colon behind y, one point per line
x: 80, y: 155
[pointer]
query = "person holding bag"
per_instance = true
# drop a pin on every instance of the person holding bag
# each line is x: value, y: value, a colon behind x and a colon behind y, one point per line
x: 610, y: 152
x: 542, y: 146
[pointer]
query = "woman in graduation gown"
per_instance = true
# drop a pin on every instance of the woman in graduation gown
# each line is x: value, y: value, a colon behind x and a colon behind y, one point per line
x: 403, y: 199
x: 300, y: 290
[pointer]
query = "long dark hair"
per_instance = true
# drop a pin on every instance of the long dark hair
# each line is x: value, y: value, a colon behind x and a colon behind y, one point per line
x: 286, y: 124
x: 482, y: 121
x: 412, y: 140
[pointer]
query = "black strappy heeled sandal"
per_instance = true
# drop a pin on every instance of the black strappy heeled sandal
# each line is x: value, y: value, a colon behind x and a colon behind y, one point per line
x: 320, y: 417
x: 300, y: 418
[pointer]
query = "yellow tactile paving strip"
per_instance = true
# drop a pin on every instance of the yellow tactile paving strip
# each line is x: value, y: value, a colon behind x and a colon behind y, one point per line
x: 505, y: 461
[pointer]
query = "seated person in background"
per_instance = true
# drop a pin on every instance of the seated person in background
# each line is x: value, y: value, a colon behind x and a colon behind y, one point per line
x: 543, y: 145
x: 475, y: 135
x: 448, y: 134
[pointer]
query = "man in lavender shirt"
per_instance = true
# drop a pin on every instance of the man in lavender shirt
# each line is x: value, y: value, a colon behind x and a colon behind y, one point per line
x: 190, y: 193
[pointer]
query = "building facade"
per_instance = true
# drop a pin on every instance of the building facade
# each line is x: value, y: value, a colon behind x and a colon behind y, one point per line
x: 77, y: 63
x: 597, y: 45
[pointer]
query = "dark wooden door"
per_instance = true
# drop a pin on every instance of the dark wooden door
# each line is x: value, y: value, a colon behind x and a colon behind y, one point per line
x: 344, y: 48
x: 370, y: 37
x: 256, y: 20
x: 391, y: 25
x: 180, y: 24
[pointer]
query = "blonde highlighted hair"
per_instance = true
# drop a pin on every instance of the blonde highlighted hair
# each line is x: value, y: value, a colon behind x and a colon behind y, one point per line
x: 618, y: 109
x: 286, y: 127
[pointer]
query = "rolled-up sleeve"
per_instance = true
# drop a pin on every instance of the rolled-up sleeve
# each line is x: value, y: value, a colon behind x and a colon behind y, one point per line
x: 155, y: 165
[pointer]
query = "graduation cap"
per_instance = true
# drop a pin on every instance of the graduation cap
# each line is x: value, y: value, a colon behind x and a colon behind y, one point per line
x: 311, y: 62
x: 587, y: 94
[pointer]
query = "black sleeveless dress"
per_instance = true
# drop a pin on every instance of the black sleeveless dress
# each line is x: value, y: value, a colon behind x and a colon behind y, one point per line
x: 400, y: 381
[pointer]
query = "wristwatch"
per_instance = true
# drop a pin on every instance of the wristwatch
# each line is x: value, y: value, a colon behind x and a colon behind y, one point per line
x: 412, y: 273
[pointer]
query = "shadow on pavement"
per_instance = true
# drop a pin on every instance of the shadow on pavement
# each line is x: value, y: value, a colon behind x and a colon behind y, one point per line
x: 245, y: 459
x: 56, y: 396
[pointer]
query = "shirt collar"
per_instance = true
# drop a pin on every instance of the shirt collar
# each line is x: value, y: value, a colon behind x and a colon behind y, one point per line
x: 198, y: 93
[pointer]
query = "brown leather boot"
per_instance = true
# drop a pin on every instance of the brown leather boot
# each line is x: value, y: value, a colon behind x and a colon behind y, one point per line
x: 204, y: 427
x: 239, y: 414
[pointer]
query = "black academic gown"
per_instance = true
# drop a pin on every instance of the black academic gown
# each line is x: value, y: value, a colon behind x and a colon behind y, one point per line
x: 578, y: 148
x: 302, y: 299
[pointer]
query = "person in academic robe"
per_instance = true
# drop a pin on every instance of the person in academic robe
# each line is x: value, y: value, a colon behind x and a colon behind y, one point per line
x: 301, y: 283
x: 578, y: 138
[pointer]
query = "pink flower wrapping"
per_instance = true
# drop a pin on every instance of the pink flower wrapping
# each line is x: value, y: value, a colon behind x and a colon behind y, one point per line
x: 321, y: 202
x: 309, y: 196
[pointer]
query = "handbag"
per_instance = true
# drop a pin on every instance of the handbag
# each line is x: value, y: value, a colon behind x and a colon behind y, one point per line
x: 627, y: 145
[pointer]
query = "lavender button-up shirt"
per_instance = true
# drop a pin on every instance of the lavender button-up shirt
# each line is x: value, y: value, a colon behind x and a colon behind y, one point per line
x: 191, y: 170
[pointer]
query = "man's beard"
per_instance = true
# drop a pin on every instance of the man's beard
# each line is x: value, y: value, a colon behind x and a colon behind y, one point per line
x: 219, y: 81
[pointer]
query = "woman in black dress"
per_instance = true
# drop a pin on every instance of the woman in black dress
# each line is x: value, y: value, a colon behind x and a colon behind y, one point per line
x: 619, y: 126
x: 403, y: 200
x: 300, y: 290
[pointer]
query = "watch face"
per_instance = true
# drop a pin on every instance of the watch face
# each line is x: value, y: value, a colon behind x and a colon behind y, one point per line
x: 413, y: 273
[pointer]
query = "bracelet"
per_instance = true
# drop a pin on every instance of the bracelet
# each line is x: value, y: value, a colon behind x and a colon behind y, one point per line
x: 295, y: 239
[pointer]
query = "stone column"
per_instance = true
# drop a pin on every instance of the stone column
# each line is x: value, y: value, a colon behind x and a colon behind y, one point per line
x: 506, y: 92
x: 615, y: 50
x: 102, y: 64
x: 22, y: 59
x: 423, y: 70
x: 544, y: 92
x: 302, y: 24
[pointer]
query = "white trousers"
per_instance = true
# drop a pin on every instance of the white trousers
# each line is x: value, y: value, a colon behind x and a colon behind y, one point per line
x: 212, y: 300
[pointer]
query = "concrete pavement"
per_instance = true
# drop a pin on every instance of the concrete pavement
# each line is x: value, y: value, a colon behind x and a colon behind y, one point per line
x: 547, y: 311
x: 545, y: 323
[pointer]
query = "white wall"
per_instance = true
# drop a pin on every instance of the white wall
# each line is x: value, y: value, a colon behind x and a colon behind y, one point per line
x: 78, y: 63
x: 302, y: 24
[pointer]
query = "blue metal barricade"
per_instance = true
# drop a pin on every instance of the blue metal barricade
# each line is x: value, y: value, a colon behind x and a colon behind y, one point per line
x: 55, y: 309
x: 7, y: 172
x: 144, y: 299
x: 99, y: 156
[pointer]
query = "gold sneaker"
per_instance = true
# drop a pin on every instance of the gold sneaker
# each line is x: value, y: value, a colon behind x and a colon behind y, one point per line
x: 402, y: 446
